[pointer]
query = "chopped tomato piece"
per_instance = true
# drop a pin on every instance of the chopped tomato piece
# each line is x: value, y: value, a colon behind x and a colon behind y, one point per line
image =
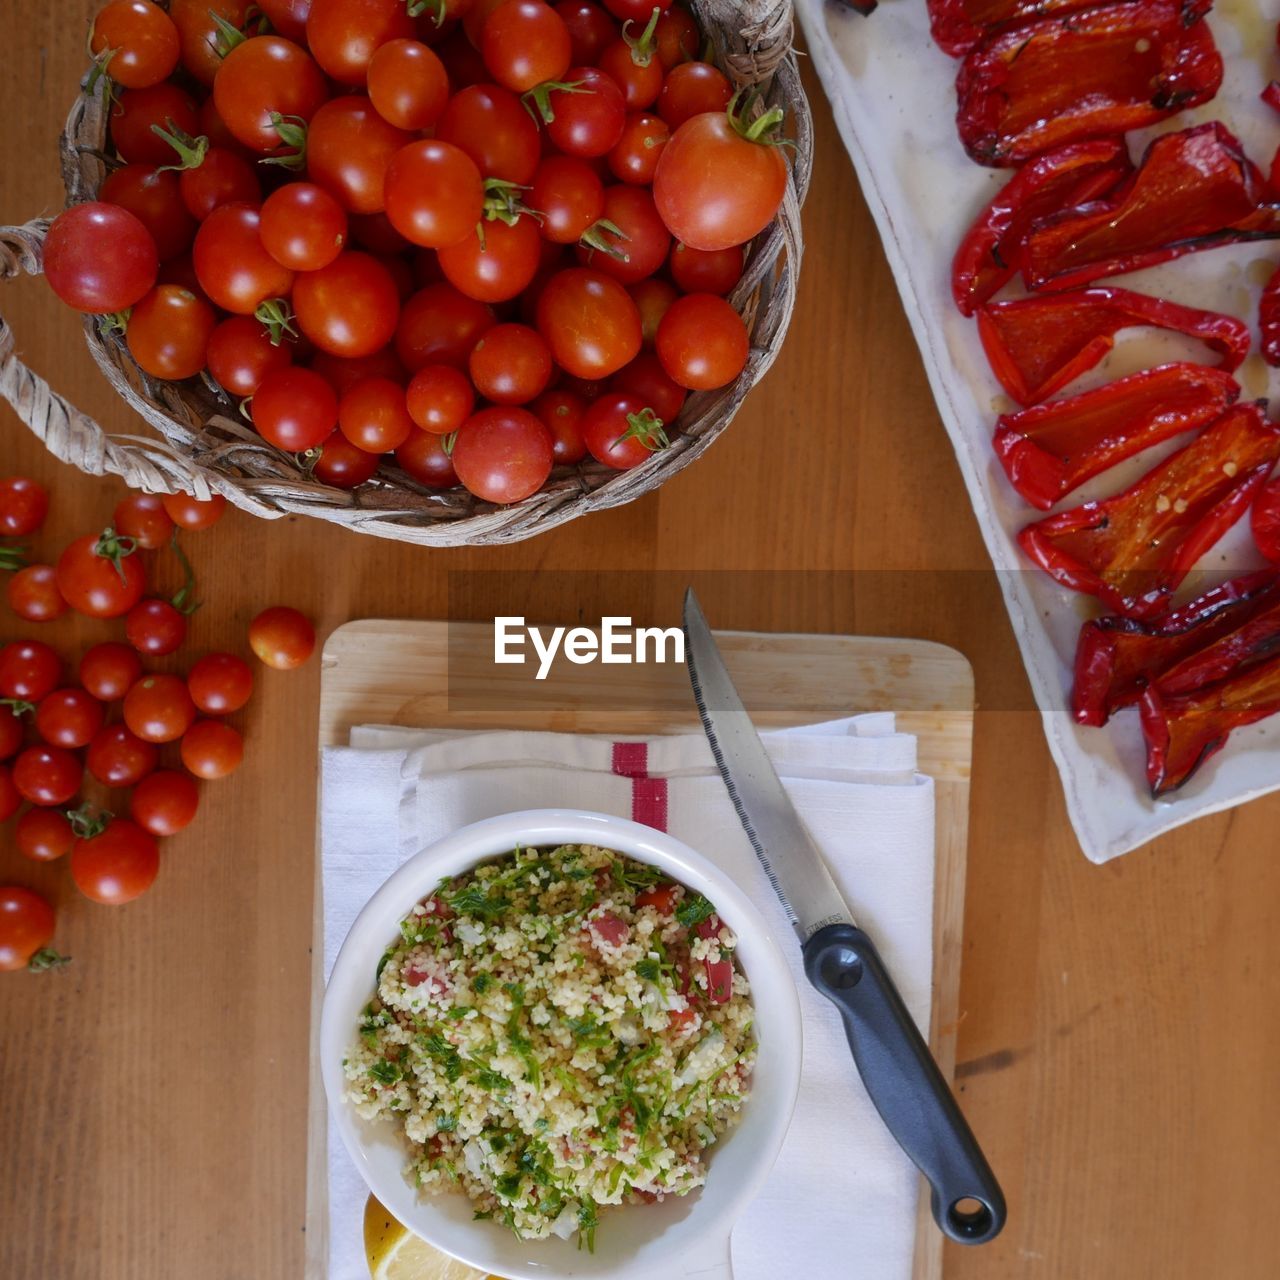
x: 661, y: 896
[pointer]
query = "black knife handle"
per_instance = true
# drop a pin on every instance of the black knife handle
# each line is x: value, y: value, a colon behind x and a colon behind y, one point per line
x: 905, y: 1084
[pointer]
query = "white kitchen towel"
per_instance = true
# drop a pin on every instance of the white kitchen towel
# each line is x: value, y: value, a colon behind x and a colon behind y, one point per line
x: 841, y: 1201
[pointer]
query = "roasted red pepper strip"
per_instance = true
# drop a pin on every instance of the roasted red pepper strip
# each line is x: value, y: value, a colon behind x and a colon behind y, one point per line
x: 1116, y: 658
x: 1183, y: 731
x: 1098, y: 73
x: 1050, y: 449
x: 1133, y: 550
x: 1269, y: 319
x: 1193, y: 190
x: 1037, y: 345
x: 987, y: 257
x: 957, y: 25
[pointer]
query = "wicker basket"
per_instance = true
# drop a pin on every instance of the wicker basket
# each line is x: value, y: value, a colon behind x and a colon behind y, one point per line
x: 204, y: 447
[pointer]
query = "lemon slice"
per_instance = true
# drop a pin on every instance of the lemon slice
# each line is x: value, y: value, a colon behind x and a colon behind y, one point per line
x: 395, y: 1253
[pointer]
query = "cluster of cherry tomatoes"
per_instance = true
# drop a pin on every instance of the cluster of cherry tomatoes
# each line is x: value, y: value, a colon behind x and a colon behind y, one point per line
x: 487, y: 237
x: 58, y: 737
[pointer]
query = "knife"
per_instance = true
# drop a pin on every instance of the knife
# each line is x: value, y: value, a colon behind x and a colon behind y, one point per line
x: 841, y: 961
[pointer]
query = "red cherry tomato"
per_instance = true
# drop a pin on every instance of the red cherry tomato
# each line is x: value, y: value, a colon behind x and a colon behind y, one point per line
x: 439, y: 325
x: 525, y: 43
x: 200, y: 37
x: 511, y: 364
x: 633, y: 63
x: 220, y: 683
x: 706, y: 271
x: 189, y: 512
x: 585, y: 119
x: 569, y: 195
x: 155, y: 627
x: 29, y: 670
x: 645, y: 378
x: 302, y: 226
x: 282, y: 637
x: 135, y: 117
x: 169, y: 332
x: 154, y: 197
x: 159, y: 709
x: 47, y: 775
x: 422, y: 458
x: 11, y: 732
x: 590, y: 323
x: 343, y: 374
x: 231, y: 264
x: 99, y: 258
x: 434, y: 193
x: 622, y: 431
x: 408, y: 85
x: 294, y: 409
x: 590, y: 28
x: 10, y: 796
x: 288, y: 17
x: 343, y: 35
x: 633, y: 10
x: 350, y: 148
x: 26, y: 926
x: 240, y: 354
x: 503, y: 455
x: 109, y: 670
x: 635, y: 157
x: 44, y: 835
x: 24, y: 503
x: 69, y: 718
x: 164, y: 803
x: 116, y: 866
x: 341, y: 465
x: 492, y: 126
x: 119, y: 758
x: 652, y: 297
x: 439, y: 399
x: 214, y: 127
x: 495, y: 263
x: 100, y: 577
x: 211, y: 749
x: 142, y: 517
x: 221, y: 177
x: 474, y: 17
x: 561, y: 413
x: 33, y: 594
x: 349, y: 308
x: 702, y: 342
x: 373, y: 231
x: 692, y: 89
x: 373, y: 417
x: 136, y: 43
x: 677, y: 37
x: 263, y: 81
x: 641, y: 248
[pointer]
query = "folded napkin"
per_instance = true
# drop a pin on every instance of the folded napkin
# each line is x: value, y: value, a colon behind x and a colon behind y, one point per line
x: 841, y: 1200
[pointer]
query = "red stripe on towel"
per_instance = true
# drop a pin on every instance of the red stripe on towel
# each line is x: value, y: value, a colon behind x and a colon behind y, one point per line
x: 648, y: 795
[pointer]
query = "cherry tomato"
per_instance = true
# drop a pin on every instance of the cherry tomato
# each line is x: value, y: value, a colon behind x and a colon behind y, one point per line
x: 231, y: 264
x: 288, y: 17
x: 349, y: 308
x: 119, y: 758
x: 154, y: 197
x: 294, y: 409
x: 495, y: 263
x: 139, y: 41
x: 100, y: 577
x: 159, y: 709
x: 408, y: 85
x: 1265, y: 521
x: 214, y: 127
x: 33, y: 594
x: 11, y: 732
x: 492, y: 126
x: 240, y: 354
x: 221, y: 177
x: 434, y: 193
x: 677, y: 37
x: 590, y: 323
x: 561, y: 413
x: 302, y: 226
x: 142, y: 517
x: 439, y: 325
x: 282, y: 637
x: 642, y: 247
x: 422, y: 458
x: 109, y: 670
x: 341, y: 465
x: 47, y: 775
x: 645, y: 378
x: 169, y: 332
x: 475, y: 16
x: 635, y: 158
x: 189, y: 512
x: 652, y: 297
x: 44, y: 835
x: 633, y: 10
x: 350, y: 148
x: 24, y: 503
x: 622, y: 431
x: 199, y: 36
x: 569, y: 195
x: 262, y: 81
x: 342, y: 374
x: 586, y: 118
x: 503, y: 455
x: 707, y: 271
x: 164, y: 803
x: 343, y: 35
x: 134, y: 117
x: 632, y: 62
x: 525, y: 43
x: 99, y: 258
x: 373, y: 231
x: 26, y: 926
x: 590, y: 28
x: 212, y: 749
x: 716, y: 187
x: 69, y: 718
x: 10, y: 796
x: 702, y: 342
x: 29, y: 670
x: 439, y: 399
x: 220, y: 683
x: 692, y: 89
x: 117, y: 866
x: 461, y: 58
x: 155, y: 627
x: 373, y: 417
x: 511, y: 364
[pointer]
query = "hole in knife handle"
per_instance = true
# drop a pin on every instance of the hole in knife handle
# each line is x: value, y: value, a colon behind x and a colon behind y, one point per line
x: 841, y: 968
x: 970, y: 1217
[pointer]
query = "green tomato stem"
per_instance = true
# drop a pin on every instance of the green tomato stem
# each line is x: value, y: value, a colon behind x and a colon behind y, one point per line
x: 643, y: 46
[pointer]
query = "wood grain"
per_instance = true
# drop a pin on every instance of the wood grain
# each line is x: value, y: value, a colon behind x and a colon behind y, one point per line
x: 1119, y: 1026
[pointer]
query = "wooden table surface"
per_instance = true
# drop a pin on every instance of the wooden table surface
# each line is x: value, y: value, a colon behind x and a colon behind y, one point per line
x: 1119, y: 1032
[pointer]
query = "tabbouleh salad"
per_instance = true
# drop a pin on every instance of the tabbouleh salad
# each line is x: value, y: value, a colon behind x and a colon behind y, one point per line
x: 557, y: 1031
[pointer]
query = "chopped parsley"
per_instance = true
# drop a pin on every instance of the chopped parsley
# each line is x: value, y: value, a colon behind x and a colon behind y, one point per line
x: 385, y: 1072
x: 694, y: 910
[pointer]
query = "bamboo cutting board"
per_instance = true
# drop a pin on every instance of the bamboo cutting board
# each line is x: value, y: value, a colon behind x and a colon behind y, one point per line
x: 437, y: 674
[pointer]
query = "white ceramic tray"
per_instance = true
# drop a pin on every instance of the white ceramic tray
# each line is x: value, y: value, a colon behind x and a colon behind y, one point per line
x: 892, y: 91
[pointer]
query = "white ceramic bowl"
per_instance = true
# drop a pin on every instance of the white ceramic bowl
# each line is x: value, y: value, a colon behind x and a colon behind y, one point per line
x: 683, y: 1236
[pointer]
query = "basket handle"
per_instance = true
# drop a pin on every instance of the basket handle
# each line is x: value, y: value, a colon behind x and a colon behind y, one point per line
x: 765, y: 30
x: 68, y: 434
